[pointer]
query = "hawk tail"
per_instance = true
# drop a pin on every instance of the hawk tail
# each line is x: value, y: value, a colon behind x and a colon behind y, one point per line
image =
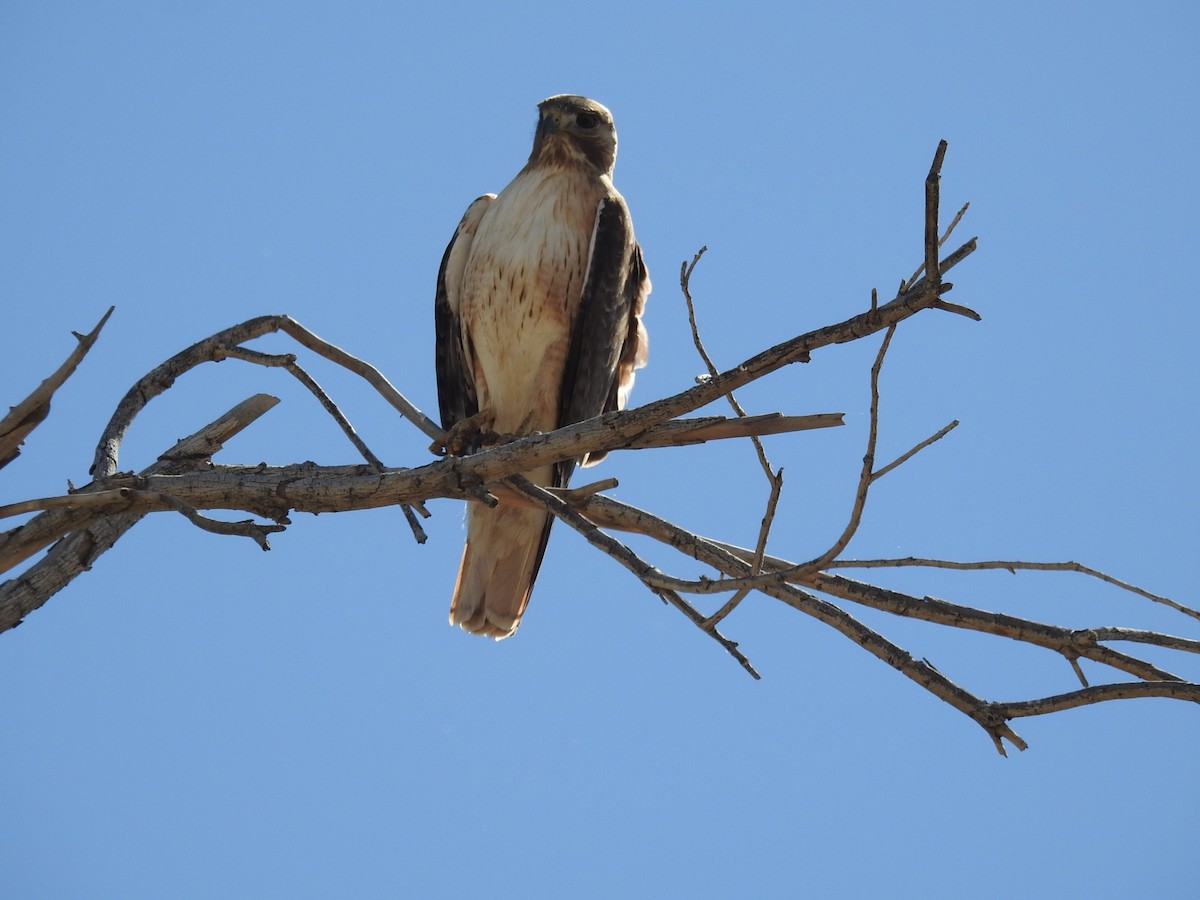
x: 500, y: 562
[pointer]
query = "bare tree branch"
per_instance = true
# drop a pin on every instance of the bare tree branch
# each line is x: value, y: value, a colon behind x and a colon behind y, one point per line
x: 685, y: 283
x: 630, y: 560
x: 1174, y: 690
x: 607, y: 511
x: 681, y: 432
x: 1013, y: 566
x: 32, y: 411
x: 86, y: 522
x: 909, y: 454
x: 75, y: 553
x: 760, y: 550
x: 866, y: 475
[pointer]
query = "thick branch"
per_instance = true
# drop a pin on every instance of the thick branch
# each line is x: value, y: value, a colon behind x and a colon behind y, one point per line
x: 75, y: 553
x: 616, y: 432
x: 452, y: 477
x: 87, y: 522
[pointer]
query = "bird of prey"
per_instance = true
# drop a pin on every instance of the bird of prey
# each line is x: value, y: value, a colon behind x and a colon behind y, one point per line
x: 538, y: 319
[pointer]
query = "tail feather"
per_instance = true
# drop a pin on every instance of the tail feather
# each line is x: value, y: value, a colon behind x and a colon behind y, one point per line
x: 500, y: 563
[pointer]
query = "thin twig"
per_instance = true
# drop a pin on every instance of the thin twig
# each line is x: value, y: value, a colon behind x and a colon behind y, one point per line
x: 287, y: 361
x: 1073, y: 659
x: 865, y: 476
x: 760, y: 549
x: 962, y: 211
x: 1013, y: 566
x: 958, y: 310
x: 685, y: 281
x: 1100, y: 693
x: 1139, y: 636
x: 575, y: 494
x: 906, y: 456
x: 248, y: 528
x: 344, y: 423
x: 364, y: 370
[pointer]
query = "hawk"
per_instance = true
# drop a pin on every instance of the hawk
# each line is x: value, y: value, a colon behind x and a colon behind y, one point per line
x: 538, y: 319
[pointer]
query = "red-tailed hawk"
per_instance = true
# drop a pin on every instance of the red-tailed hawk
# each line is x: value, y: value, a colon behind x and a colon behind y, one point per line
x: 539, y: 322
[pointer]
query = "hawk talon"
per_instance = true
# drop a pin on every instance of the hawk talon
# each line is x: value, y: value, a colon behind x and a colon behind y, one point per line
x: 466, y: 436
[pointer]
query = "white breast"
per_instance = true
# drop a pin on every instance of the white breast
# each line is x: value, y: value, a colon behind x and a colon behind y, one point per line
x: 521, y: 291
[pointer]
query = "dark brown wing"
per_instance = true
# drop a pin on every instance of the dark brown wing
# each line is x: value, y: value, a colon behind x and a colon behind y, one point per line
x: 609, y: 341
x: 456, y: 385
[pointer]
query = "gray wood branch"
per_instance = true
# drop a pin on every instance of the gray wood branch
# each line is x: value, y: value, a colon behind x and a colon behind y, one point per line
x: 74, y: 554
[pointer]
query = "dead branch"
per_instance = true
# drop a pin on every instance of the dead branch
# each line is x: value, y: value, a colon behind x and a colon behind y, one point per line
x: 86, y: 522
x: 682, y: 432
x: 32, y: 411
x: 90, y: 535
x: 630, y: 560
x: 760, y: 550
x: 685, y: 285
x: 1013, y: 566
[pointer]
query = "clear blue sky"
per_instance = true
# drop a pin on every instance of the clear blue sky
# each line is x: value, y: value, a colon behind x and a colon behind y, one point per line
x: 195, y: 718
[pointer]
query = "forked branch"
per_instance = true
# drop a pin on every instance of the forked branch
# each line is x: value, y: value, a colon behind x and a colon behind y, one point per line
x: 79, y: 526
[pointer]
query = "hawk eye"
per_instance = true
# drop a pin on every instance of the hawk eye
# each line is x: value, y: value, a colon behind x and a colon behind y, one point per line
x: 586, y: 120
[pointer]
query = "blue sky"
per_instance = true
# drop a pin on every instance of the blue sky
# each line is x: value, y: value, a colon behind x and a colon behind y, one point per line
x: 195, y: 718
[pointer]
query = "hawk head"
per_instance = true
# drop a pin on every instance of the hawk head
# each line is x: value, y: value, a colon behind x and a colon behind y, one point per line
x: 574, y: 130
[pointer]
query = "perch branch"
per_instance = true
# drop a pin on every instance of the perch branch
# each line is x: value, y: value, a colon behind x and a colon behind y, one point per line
x: 618, y: 427
x: 88, y: 521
